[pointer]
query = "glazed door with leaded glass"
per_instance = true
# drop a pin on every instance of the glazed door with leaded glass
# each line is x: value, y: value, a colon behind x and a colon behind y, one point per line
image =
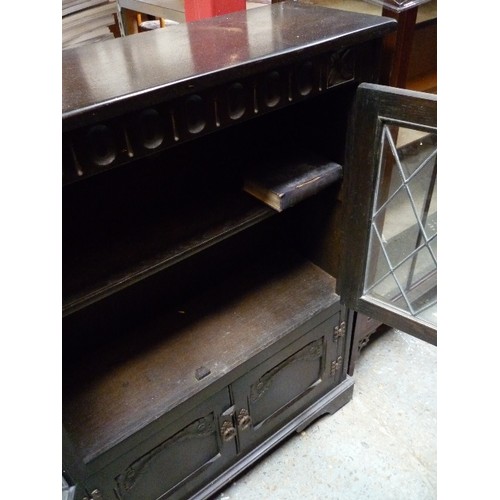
x: 389, y: 266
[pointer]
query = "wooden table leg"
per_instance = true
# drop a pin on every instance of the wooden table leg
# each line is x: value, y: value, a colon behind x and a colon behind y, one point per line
x: 129, y: 24
x: 397, y: 48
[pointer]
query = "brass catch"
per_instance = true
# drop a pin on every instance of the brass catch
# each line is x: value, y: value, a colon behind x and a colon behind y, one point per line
x: 244, y: 419
x: 227, y: 431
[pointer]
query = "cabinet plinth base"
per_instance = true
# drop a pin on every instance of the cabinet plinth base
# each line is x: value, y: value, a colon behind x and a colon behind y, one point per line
x: 328, y: 404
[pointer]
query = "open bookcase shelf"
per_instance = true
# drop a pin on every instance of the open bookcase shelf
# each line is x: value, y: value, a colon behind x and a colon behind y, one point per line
x: 116, y: 259
x: 201, y: 326
x: 154, y: 366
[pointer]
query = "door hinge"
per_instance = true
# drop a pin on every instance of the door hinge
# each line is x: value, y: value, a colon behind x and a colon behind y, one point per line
x: 335, y: 366
x: 339, y: 331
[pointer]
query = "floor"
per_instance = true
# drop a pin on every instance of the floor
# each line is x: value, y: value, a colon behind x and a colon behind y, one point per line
x: 380, y: 446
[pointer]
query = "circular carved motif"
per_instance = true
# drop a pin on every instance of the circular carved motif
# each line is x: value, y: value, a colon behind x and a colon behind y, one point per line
x: 236, y: 101
x: 151, y: 129
x: 347, y: 64
x: 101, y: 145
x: 305, y: 78
x: 272, y: 89
x: 195, y: 114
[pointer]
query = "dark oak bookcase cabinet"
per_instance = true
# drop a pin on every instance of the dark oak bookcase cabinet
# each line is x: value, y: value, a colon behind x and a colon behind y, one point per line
x: 201, y: 327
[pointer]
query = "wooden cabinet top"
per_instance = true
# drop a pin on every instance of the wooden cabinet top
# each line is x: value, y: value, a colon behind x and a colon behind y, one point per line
x: 142, y: 70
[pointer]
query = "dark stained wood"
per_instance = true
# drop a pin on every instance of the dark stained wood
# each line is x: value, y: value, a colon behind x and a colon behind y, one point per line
x: 97, y: 267
x: 153, y: 370
x: 99, y: 78
x: 415, y: 109
x: 330, y: 403
x: 187, y: 448
x: 180, y: 293
x: 364, y: 328
x: 398, y: 47
x: 422, y: 71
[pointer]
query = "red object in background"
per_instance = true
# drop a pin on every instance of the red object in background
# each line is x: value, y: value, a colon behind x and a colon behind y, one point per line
x: 200, y: 9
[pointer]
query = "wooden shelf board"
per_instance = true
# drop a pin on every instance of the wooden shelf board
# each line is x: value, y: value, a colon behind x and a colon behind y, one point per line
x: 97, y: 269
x: 146, y: 373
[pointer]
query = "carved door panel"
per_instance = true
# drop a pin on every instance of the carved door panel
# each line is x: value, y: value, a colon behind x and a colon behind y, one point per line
x: 286, y: 383
x: 389, y: 268
x: 174, y: 461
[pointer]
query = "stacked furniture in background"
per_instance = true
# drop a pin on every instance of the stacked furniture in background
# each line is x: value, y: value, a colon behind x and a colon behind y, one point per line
x: 87, y: 21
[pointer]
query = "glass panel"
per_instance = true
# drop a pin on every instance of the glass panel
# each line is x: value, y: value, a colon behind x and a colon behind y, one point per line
x: 402, y: 261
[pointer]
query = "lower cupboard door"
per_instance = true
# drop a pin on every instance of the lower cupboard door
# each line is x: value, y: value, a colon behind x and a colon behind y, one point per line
x: 174, y: 462
x: 284, y: 385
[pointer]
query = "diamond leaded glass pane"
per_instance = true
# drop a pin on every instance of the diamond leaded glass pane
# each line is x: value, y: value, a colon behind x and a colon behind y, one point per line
x: 402, y: 264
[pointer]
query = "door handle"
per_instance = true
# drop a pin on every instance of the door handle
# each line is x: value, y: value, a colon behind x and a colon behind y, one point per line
x: 227, y: 431
x: 244, y: 419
